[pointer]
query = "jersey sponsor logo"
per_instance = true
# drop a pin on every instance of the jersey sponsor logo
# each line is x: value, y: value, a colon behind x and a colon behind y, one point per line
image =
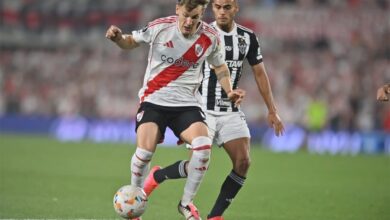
x: 228, y: 48
x: 169, y: 44
x: 181, y: 62
x: 198, y: 50
x: 234, y: 63
x: 223, y: 102
x: 140, y: 116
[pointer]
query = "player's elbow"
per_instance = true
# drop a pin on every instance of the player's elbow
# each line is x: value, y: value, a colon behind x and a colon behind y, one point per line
x: 127, y: 43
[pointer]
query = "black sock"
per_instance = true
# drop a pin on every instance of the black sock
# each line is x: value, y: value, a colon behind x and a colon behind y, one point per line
x: 174, y: 171
x: 229, y: 190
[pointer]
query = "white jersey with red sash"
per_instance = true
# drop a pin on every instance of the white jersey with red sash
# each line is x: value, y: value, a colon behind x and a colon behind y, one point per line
x: 173, y: 74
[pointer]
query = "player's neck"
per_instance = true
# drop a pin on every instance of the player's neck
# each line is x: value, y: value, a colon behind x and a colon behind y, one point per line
x: 226, y: 27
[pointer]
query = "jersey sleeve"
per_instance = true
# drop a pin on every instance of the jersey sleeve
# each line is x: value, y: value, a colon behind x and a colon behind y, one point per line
x: 254, y: 55
x: 144, y: 35
x: 216, y: 56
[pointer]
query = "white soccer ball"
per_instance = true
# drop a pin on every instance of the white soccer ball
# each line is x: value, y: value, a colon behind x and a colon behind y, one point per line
x: 130, y: 201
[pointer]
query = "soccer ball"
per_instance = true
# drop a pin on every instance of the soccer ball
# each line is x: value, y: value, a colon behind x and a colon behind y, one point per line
x: 130, y: 201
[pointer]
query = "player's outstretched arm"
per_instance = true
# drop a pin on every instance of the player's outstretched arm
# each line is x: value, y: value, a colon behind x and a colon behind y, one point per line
x: 381, y: 93
x: 264, y: 87
x: 223, y: 76
x: 124, y: 41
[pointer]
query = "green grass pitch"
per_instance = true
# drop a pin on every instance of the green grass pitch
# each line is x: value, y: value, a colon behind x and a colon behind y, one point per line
x: 41, y: 178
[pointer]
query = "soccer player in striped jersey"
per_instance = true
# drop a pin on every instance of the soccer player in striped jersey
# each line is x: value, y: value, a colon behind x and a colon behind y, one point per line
x: 179, y: 45
x: 227, y: 125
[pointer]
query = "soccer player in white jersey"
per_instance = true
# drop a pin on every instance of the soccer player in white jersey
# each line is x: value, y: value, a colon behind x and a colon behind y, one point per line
x: 227, y: 125
x: 178, y: 47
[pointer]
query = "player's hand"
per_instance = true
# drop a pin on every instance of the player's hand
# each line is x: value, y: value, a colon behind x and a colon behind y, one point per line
x: 381, y: 94
x: 114, y: 33
x: 236, y: 96
x: 276, y: 123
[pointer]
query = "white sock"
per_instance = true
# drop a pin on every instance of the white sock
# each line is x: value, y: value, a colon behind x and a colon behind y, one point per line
x: 140, y: 166
x: 197, y: 167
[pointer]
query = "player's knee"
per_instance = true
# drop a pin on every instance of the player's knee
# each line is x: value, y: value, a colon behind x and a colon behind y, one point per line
x: 201, y: 147
x: 241, y: 166
x: 204, y: 155
x: 202, y: 144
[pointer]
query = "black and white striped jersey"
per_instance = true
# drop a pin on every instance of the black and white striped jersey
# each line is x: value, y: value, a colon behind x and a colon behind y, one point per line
x: 239, y: 44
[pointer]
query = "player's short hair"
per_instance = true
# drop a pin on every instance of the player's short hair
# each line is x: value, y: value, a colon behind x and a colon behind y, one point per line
x: 192, y: 4
x: 235, y: 2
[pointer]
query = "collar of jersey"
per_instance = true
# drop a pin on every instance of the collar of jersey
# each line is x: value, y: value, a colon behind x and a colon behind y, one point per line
x: 232, y: 32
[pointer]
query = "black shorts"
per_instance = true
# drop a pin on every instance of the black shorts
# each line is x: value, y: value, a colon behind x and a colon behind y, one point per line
x: 177, y: 119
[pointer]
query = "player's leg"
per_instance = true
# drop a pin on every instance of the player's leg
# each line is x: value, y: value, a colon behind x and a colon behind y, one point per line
x: 158, y: 175
x: 197, y: 135
x: 150, y: 123
x: 190, y: 127
x: 176, y: 170
x: 234, y: 136
x: 147, y: 138
x: 238, y: 151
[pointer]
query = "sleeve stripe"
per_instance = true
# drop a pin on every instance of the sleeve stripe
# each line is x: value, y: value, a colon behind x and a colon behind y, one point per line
x: 244, y: 28
x: 162, y: 20
x: 212, y: 31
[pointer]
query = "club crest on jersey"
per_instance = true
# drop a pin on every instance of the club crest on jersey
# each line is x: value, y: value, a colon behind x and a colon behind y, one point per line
x: 140, y: 116
x: 198, y: 50
x: 242, y: 44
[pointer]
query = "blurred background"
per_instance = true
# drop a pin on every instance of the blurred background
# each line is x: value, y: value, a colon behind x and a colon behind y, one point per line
x: 59, y: 76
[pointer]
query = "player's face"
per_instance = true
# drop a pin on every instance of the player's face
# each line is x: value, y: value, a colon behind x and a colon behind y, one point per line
x: 189, y: 20
x: 224, y: 12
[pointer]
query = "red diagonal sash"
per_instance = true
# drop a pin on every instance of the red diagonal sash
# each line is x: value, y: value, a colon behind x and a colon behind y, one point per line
x: 174, y: 71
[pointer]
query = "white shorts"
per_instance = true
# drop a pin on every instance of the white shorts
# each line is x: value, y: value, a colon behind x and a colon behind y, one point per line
x: 226, y: 127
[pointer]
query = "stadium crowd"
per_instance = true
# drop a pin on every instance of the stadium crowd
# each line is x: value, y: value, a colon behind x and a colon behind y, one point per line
x: 325, y: 59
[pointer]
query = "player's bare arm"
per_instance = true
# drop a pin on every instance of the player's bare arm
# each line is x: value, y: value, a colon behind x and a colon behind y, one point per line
x: 124, y: 41
x: 264, y: 87
x: 223, y: 75
x: 381, y: 94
